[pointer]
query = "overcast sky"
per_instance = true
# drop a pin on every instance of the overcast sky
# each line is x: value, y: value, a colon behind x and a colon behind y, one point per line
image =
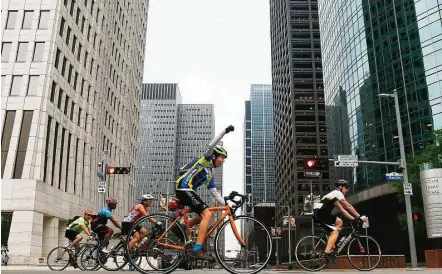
x: 214, y: 50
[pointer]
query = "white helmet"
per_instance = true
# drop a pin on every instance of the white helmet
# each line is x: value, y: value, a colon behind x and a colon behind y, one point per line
x: 147, y: 197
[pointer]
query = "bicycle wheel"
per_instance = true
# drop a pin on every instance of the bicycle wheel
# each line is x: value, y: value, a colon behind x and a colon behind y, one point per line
x: 115, y: 259
x: 365, y: 253
x: 78, y: 256
x: 250, y: 258
x: 174, y: 234
x: 162, y: 255
x: 89, y: 258
x: 58, y: 259
x: 309, y: 252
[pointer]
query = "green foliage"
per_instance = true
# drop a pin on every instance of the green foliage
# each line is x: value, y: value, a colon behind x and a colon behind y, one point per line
x: 432, y: 154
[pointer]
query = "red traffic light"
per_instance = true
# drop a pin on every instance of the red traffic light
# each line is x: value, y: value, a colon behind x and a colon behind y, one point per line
x: 118, y: 170
x: 311, y: 163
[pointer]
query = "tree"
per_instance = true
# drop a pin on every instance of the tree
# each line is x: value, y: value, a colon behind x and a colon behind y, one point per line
x: 431, y: 155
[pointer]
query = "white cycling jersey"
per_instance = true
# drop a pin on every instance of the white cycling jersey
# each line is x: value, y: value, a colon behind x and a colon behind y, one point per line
x: 327, y: 203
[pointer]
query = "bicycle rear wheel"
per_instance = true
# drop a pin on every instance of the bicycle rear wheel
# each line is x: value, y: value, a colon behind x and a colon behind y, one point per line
x: 115, y: 260
x: 146, y: 258
x: 309, y: 252
x: 58, y: 259
x: 89, y: 258
x: 364, y: 253
x: 254, y: 256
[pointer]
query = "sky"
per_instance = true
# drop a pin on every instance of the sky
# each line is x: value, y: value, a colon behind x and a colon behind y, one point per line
x: 214, y: 50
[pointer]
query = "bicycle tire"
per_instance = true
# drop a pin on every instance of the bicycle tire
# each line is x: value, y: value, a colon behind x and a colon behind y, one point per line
x: 298, y: 260
x: 378, y: 248
x: 137, y: 266
x: 224, y: 264
x: 65, y: 250
x: 78, y: 257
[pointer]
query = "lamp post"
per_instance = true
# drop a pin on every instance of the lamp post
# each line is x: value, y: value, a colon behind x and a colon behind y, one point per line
x: 404, y: 166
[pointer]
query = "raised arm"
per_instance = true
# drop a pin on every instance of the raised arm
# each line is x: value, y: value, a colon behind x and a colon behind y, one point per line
x: 216, y: 140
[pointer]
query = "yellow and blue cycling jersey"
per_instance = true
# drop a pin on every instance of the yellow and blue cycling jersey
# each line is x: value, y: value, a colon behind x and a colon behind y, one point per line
x: 197, y: 173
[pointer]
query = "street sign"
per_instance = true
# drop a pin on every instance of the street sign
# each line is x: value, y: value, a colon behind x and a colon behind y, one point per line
x: 101, y: 187
x: 394, y: 176
x: 408, y: 189
x: 347, y: 161
x: 312, y: 173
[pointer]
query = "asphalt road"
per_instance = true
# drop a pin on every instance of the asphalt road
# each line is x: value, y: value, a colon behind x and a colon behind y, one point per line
x: 43, y: 270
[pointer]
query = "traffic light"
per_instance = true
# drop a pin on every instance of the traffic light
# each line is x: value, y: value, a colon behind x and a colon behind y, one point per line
x: 311, y: 163
x: 118, y: 170
x: 417, y: 217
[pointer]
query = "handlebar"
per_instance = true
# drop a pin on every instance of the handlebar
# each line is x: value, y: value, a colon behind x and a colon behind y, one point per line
x: 237, y: 203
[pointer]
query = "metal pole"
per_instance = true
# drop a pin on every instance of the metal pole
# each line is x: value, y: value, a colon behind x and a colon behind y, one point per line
x: 311, y: 198
x: 407, y: 196
x: 290, y: 242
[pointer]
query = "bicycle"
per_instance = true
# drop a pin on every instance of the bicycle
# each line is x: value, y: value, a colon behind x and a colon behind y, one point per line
x: 72, y: 258
x: 310, y: 249
x: 174, y: 239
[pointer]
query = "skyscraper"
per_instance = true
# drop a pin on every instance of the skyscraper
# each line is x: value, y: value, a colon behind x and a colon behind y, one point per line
x: 260, y: 157
x: 71, y: 79
x: 196, y: 128
x: 158, y: 130
x: 298, y: 103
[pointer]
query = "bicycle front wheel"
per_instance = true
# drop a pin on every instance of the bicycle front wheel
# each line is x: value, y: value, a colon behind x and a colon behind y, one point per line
x: 58, y: 259
x: 254, y: 255
x: 309, y: 252
x: 364, y: 253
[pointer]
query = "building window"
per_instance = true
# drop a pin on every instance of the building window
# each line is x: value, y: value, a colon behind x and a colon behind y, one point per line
x: 80, y: 47
x: 27, y: 19
x: 68, y: 36
x: 54, y: 153
x: 16, y: 84
x: 43, y: 22
x: 75, y: 80
x: 60, y: 162
x: 6, y: 51
x: 38, y: 51
x: 57, y: 58
x: 6, y: 135
x: 63, y: 67
x: 23, y: 143
x: 63, y: 21
x: 33, y: 85
x: 48, y: 132
x: 11, y: 20
x: 22, y: 50
x: 67, y: 162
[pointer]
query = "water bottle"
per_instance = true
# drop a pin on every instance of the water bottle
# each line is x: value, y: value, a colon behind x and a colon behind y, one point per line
x: 143, y: 241
x: 130, y: 267
x: 341, y: 241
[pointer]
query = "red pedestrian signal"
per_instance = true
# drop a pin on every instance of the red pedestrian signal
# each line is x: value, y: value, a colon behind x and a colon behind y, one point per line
x: 417, y: 217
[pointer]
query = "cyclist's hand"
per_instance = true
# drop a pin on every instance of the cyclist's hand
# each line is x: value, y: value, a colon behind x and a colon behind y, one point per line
x: 229, y: 129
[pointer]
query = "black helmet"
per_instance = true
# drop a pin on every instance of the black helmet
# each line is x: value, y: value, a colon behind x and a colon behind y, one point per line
x: 342, y: 182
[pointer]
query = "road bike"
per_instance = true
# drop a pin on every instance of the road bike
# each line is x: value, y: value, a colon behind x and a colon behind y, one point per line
x: 174, y: 243
x: 62, y: 256
x: 363, y: 251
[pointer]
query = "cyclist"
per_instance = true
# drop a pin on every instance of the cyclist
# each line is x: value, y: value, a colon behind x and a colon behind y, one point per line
x: 74, y: 229
x: 193, y: 175
x: 323, y: 213
x: 99, y: 224
x: 136, y: 212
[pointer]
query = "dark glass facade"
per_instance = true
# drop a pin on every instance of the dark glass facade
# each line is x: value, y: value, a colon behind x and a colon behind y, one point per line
x: 362, y: 57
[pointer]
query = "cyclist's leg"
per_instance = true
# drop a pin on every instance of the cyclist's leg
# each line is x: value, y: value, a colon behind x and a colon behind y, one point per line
x: 136, y: 238
x: 108, y: 233
x: 334, y: 235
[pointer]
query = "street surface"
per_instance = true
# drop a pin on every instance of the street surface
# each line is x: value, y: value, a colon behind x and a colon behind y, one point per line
x: 45, y: 270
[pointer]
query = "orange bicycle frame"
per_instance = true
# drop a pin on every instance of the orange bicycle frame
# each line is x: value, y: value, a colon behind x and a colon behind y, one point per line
x: 183, y: 215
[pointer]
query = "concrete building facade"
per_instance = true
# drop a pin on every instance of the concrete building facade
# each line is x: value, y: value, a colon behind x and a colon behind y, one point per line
x: 71, y: 80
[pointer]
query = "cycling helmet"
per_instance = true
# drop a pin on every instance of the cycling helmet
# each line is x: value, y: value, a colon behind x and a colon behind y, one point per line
x: 342, y: 182
x: 219, y: 150
x: 88, y: 211
x: 145, y: 197
x: 111, y: 201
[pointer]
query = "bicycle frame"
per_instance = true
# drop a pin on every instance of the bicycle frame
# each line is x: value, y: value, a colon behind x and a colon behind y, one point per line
x: 183, y: 214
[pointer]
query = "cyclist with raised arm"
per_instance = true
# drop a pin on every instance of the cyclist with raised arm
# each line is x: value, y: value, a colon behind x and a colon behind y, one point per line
x: 323, y: 213
x: 196, y: 173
